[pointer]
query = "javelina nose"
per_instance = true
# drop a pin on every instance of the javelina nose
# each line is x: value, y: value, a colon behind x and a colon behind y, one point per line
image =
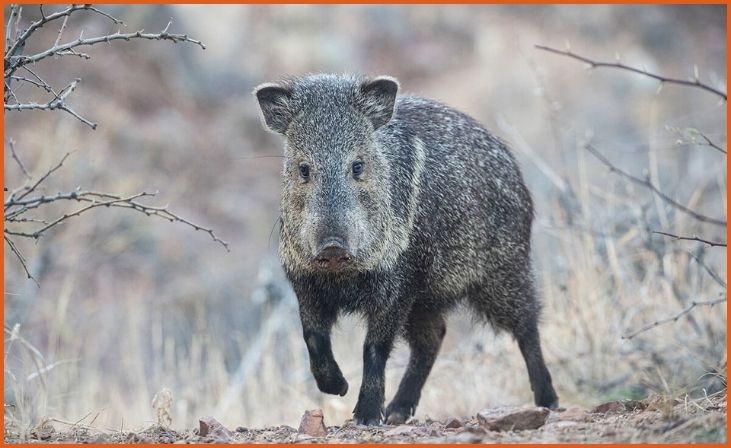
x: 333, y: 253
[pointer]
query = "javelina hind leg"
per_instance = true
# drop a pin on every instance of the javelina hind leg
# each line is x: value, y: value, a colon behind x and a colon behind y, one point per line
x: 424, y: 333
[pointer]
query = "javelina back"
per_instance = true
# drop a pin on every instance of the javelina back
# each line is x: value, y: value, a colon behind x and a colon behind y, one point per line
x: 398, y: 208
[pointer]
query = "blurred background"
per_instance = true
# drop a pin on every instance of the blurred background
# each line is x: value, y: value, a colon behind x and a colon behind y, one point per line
x: 130, y: 305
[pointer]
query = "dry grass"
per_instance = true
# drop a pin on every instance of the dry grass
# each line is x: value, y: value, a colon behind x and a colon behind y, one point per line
x: 127, y: 307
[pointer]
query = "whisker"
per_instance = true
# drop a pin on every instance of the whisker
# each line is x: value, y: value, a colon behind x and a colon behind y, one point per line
x: 271, y: 232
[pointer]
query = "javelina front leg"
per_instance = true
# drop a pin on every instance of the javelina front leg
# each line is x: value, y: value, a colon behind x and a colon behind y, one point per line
x: 425, y: 333
x: 540, y: 378
x: 376, y: 350
x: 316, y: 327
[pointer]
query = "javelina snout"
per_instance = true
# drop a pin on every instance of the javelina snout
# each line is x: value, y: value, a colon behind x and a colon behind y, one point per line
x: 333, y: 254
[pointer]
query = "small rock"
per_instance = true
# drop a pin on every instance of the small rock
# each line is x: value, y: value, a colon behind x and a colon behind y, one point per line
x: 241, y: 429
x: 313, y: 424
x: 619, y: 406
x: 453, y: 423
x: 530, y: 418
x: 210, y: 427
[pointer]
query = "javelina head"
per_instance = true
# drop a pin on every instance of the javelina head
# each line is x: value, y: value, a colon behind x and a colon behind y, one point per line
x: 335, y: 205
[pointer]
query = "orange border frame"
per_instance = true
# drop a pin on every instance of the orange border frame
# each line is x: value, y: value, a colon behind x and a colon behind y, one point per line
x: 422, y: 2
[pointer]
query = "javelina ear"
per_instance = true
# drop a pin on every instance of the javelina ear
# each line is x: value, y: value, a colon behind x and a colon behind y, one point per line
x: 275, y: 104
x: 376, y: 99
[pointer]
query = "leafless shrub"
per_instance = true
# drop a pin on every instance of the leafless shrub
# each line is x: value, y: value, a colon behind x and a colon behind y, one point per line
x: 19, y: 71
x: 688, y: 135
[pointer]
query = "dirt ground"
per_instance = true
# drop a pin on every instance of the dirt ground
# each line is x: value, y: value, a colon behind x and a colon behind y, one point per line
x: 650, y: 420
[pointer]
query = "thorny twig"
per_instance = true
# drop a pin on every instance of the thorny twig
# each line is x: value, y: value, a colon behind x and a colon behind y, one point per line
x: 20, y: 202
x: 59, y: 102
x: 15, y: 59
x: 692, y: 136
x: 693, y: 82
x: 20, y: 258
x: 11, y: 143
x: 12, y: 48
x: 652, y: 187
x: 711, y: 144
x: 674, y: 318
x: 27, y: 197
x: 711, y: 272
x: 691, y: 238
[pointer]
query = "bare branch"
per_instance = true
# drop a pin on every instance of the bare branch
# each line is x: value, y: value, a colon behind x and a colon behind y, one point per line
x: 21, y: 60
x: 57, y: 103
x: 18, y: 203
x: 39, y: 232
x: 650, y: 186
x: 9, y: 26
x: 691, y: 238
x: 47, y: 87
x: 19, y: 43
x: 11, y: 142
x: 694, y: 137
x: 711, y: 144
x: 674, y: 318
x: 20, y: 258
x: 40, y: 85
x: 710, y: 271
x: 93, y: 198
x: 9, y: 92
x: 16, y: 11
x: 25, y: 191
x: 60, y: 30
x: 695, y: 82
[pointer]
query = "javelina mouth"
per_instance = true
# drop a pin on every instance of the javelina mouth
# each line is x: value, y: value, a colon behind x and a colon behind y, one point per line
x: 333, y: 263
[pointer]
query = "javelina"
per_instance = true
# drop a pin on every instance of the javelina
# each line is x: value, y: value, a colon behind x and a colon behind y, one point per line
x: 398, y: 208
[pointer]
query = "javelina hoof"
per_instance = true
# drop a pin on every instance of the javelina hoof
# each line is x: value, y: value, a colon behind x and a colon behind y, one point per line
x: 333, y: 386
x: 397, y: 414
x: 367, y: 414
x: 395, y: 418
x: 365, y: 421
x: 547, y: 399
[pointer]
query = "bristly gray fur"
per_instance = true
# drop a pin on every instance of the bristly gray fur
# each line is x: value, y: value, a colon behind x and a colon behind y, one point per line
x: 439, y: 214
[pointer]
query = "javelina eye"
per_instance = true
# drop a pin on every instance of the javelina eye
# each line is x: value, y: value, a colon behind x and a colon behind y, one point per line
x: 357, y: 168
x: 304, y: 171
